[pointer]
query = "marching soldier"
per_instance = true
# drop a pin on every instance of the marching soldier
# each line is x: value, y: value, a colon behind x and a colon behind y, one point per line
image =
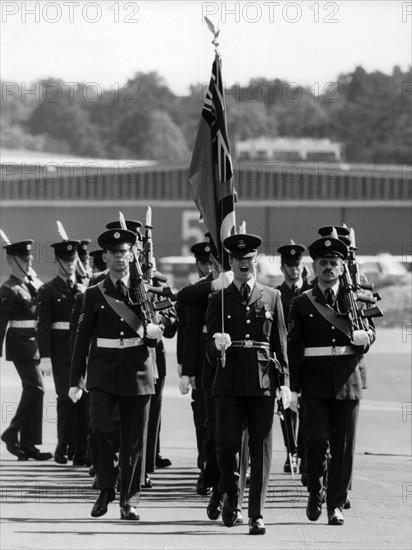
x: 325, y: 359
x: 56, y: 299
x: 112, y: 346
x: 244, y: 354
x: 18, y: 322
x: 294, y: 283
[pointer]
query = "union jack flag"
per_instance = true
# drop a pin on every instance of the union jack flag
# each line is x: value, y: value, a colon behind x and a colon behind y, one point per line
x: 211, y: 171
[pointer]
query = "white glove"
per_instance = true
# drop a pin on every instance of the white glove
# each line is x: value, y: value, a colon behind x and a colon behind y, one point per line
x: 154, y: 332
x: 45, y: 367
x: 184, y: 385
x: 75, y: 393
x: 223, y: 281
x: 286, y: 396
x: 294, y: 402
x: 360, y: 338
x: 222, y: 340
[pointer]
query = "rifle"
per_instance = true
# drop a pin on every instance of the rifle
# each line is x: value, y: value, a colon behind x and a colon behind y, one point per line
x: 141, y: 287
x: 80, y: 269
x: 351, y: 284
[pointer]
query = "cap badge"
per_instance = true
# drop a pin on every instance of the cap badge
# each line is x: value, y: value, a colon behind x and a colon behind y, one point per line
x: 292, y: 252
x: 28, y: 247
x: 69, y: 247
x: 116, y: 235
x: 207, y: 249
x: 328, y: 243
x: 241, y: 244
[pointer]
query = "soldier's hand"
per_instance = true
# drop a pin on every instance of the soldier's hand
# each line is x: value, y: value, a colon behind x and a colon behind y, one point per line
x: 286, y: 396
x: 294, y: 402
x: 360, y: 338
x: 75, y: 393
x: 184, y: 385
x: 45, y: 368
x: 222, y: 340
x: 154, y: 332
x: 223, y: 281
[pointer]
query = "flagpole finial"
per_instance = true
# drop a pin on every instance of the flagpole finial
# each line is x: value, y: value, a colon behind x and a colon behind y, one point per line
x: 214, y: 30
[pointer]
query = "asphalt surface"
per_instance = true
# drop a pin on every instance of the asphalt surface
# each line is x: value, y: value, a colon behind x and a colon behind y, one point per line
x: 46, y: 505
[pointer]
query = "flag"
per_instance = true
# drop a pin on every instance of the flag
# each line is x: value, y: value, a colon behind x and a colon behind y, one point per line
x: 210, y: 171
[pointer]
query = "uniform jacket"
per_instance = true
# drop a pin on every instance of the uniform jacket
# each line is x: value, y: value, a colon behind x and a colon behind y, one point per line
x: 121, y: 371
x: 248, y: 371
x: 322, y: 377
x: 287, y: 296
x: 55, y: 301
x: 17, y: 304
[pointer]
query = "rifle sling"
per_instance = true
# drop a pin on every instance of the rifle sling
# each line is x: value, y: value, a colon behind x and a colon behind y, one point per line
x: 329, y: 314
x: 123, y: 311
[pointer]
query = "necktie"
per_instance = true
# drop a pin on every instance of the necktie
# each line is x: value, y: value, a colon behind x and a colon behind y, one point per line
x: 121, y: 289
x: 30, y: 287
x: 245, y: 292
x: 295, y: 290
x: 330, y: 297
x: 70, y: 284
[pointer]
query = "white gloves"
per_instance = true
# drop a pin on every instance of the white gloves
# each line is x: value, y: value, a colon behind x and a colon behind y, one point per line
x: 153, y: 331
x: 360, y: 338
x: 75, y: 393
x: 222, y: 340
x: 45, y: 367
x: 185, y: 383
x: 294, y: 406
x: 284, y: 394
x: 223, y: 281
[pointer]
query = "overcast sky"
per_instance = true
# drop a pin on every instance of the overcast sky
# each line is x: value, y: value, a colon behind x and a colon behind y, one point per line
x: 306, y: 42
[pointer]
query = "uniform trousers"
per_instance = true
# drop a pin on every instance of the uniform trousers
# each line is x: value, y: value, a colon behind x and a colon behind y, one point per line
x: 155, y: 415
x: 231, y: 412
x: 330, y: 423
x: 134, y: 415
x: 199, y: 415
x: 211, y: 469
x: 28, y: 419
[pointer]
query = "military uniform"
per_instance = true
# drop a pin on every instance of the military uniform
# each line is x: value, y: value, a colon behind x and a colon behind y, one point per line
x: 56, y: 300
x: 18, y: 325
x: 245, y: 386
x: 119, y: 369
x: 325, y: 369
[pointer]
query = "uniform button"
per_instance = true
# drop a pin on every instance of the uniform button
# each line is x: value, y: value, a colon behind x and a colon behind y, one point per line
x: 247, y: 321
x: 229, y: 316
x: 247, y: 308
x: 101, y: 307
x: 310, y: 314
x: 333, y: 328
x: 122, y: 319
x: 122, y: 334
x: 247, y: 335
x: 333, y: 339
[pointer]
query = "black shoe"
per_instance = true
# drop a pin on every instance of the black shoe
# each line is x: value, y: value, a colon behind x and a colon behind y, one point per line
x: 347, y: 504
x: 286, y: 466
x: 304, y: 479
x: 102, y: 502
x: 162, y: 462
x: 91, y: 471
x: 335, y: 516
x: 129, y: 513
x: 12, y: 445
x: 80, y: 459
x: 230, y: 509
x: 314, y: 506
x: 256, y: 526
x: 33, y: 452
x: 60, y: 454
x: 70, y: 453
x: 214, y: 508
x: 148, y: 483
x: 200, y: 485
x: 94, y: 484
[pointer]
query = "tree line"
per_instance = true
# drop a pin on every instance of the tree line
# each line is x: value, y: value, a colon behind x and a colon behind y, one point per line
x: 370, y: 113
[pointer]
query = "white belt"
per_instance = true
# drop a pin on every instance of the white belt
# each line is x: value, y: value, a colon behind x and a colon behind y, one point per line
x: 119, y: 342
x: 30, y: 323
x: 61, y: 325
x: 329, y: 351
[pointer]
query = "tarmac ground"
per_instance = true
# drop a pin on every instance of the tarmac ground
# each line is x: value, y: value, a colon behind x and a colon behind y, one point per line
x: 47, y: 505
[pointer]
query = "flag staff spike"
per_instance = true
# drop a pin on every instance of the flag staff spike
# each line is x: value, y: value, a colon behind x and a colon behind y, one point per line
x: 215, y: 31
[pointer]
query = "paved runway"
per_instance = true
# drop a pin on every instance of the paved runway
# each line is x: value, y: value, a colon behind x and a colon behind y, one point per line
x: 46, y: 505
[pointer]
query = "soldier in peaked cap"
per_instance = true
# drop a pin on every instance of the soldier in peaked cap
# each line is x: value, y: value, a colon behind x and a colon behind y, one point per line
x: 325, y: 368
x: 295, y: 282
x: 56, y: 299
x: 253, y: 342
x: 18, y: 323
x: 112, y: 346
x: 84, y: 257
x: 343, y: 232
x: 98, y: 263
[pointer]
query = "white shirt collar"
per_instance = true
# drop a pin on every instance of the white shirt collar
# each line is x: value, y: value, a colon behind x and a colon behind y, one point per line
x: 250, y: 283
x: 126, y: 280
x: 335, y: 288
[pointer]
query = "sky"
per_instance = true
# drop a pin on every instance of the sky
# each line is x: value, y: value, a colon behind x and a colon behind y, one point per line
x: 308, y: 42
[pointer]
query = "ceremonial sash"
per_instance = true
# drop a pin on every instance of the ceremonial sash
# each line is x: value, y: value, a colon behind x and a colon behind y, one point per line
x: 329, y: 314
x: 123, y: 311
